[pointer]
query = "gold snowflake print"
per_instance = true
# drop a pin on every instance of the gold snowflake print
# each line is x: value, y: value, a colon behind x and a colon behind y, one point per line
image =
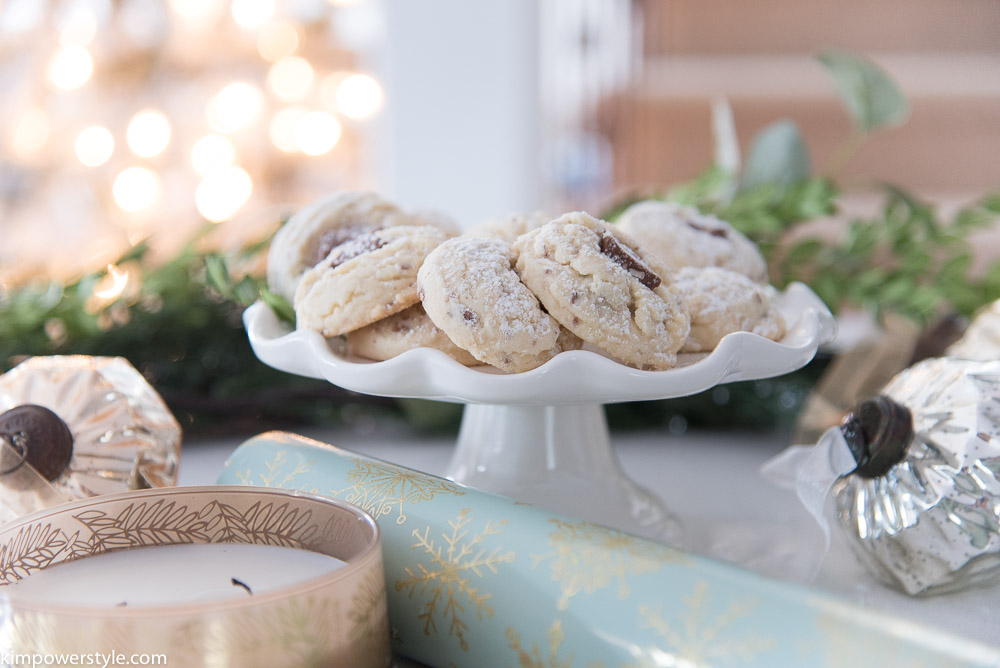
x: 588, y: 557
x: 454, y: 565
x: 699, y: 640
x: 379, y: 488
x: 534, y: 658
x: 275, y: 475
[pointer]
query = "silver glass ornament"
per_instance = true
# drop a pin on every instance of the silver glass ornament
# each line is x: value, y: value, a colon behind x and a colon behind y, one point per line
x: 78, y: 426
x: 922, y: 510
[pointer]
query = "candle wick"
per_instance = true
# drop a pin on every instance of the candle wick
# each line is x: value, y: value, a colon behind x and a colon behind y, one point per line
x: 240, y: 583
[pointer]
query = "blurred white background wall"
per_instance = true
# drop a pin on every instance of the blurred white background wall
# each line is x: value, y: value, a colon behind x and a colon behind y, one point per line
x: 460, y: 131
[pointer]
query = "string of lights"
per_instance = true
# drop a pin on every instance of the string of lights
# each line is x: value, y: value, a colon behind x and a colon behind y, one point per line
x: 136, y: 119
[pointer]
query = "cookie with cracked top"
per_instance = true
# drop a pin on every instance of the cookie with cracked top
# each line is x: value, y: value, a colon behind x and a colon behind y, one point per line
x: 722, y: 301
x: 683, y: 237
x: 370, y: 277
x: 470, y: 290
x: 309, y: 235
x: 602, y: 287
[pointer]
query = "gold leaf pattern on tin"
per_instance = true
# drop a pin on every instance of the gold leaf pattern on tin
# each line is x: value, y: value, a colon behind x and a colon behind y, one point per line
x: 589, y: 557
x: 453, y: 566
x: 261, y: 524
x: 37, y: 546
x: 33, y: 548
x: 143, y: 524
x: 696, y: 637
x: 534, y: 658
x: 381, y: 488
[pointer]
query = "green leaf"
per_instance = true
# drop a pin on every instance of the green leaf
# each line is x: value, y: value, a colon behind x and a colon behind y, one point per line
x: 991, y: 202
x: 279, y: 305
x: 992, y: 277
x: 779, y: 155
x: 246, y: 291
x: 915, y: 263
x: 758, y: 223
x: 968, y: 219
x: 871, y: 97
x: 803, y: 252
x: 871, y: 279
x: 810, y: 199
x: 828, y: 288
x: 906, y: 208
x: 862, y: 237
x: 991, y: 283
x: 956, y: 267
x: 218, y: 274
x: 896, y: 290
x: 925, y: 300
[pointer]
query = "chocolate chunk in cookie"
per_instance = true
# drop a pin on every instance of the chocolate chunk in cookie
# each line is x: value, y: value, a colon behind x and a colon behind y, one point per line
x: 603, y: 288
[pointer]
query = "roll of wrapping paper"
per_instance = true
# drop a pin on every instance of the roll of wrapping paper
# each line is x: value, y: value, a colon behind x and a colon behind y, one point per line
x: 476, y: 579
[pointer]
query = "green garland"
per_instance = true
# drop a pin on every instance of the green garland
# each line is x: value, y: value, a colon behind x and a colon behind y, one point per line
x: 180, y: 326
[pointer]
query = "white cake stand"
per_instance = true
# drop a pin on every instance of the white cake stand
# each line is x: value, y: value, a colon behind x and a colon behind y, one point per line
x: 541, y: 436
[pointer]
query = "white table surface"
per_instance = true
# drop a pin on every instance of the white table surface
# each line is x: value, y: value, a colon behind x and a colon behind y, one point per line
x: 711, y: 481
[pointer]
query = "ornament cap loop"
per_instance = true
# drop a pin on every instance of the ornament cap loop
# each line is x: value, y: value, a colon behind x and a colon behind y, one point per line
x: 40, y: 437
x: 878, y: 433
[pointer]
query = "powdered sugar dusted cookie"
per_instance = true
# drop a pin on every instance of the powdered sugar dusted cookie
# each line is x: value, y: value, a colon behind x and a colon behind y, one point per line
x: 510, y: 227
x: 682, y: 237
x: 365, y: 279
x: 470, y: 290
x: 722, y: 301
x: 320, y: 226
x: 406, y: 330
x: 599, y: 285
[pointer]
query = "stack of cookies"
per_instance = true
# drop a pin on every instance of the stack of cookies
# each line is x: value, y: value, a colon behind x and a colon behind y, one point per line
x: 514, y: 293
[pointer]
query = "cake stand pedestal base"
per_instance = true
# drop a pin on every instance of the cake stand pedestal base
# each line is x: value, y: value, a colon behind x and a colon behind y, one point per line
x: 559, y: 458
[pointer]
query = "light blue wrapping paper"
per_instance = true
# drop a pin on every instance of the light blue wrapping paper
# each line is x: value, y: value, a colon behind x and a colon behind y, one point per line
x: 476, y: 579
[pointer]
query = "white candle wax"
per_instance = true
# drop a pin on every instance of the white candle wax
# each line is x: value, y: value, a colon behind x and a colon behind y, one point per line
x: 171, y: 575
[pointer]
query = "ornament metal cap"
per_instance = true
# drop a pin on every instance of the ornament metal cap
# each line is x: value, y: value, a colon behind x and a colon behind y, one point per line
x: 40, y: 437
x: 878, y: 433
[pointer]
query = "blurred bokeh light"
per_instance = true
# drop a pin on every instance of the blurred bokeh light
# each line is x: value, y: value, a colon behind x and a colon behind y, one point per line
x: 145, y: 118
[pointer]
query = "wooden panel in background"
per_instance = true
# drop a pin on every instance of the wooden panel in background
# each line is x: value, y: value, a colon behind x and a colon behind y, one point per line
x: 789, y: 26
